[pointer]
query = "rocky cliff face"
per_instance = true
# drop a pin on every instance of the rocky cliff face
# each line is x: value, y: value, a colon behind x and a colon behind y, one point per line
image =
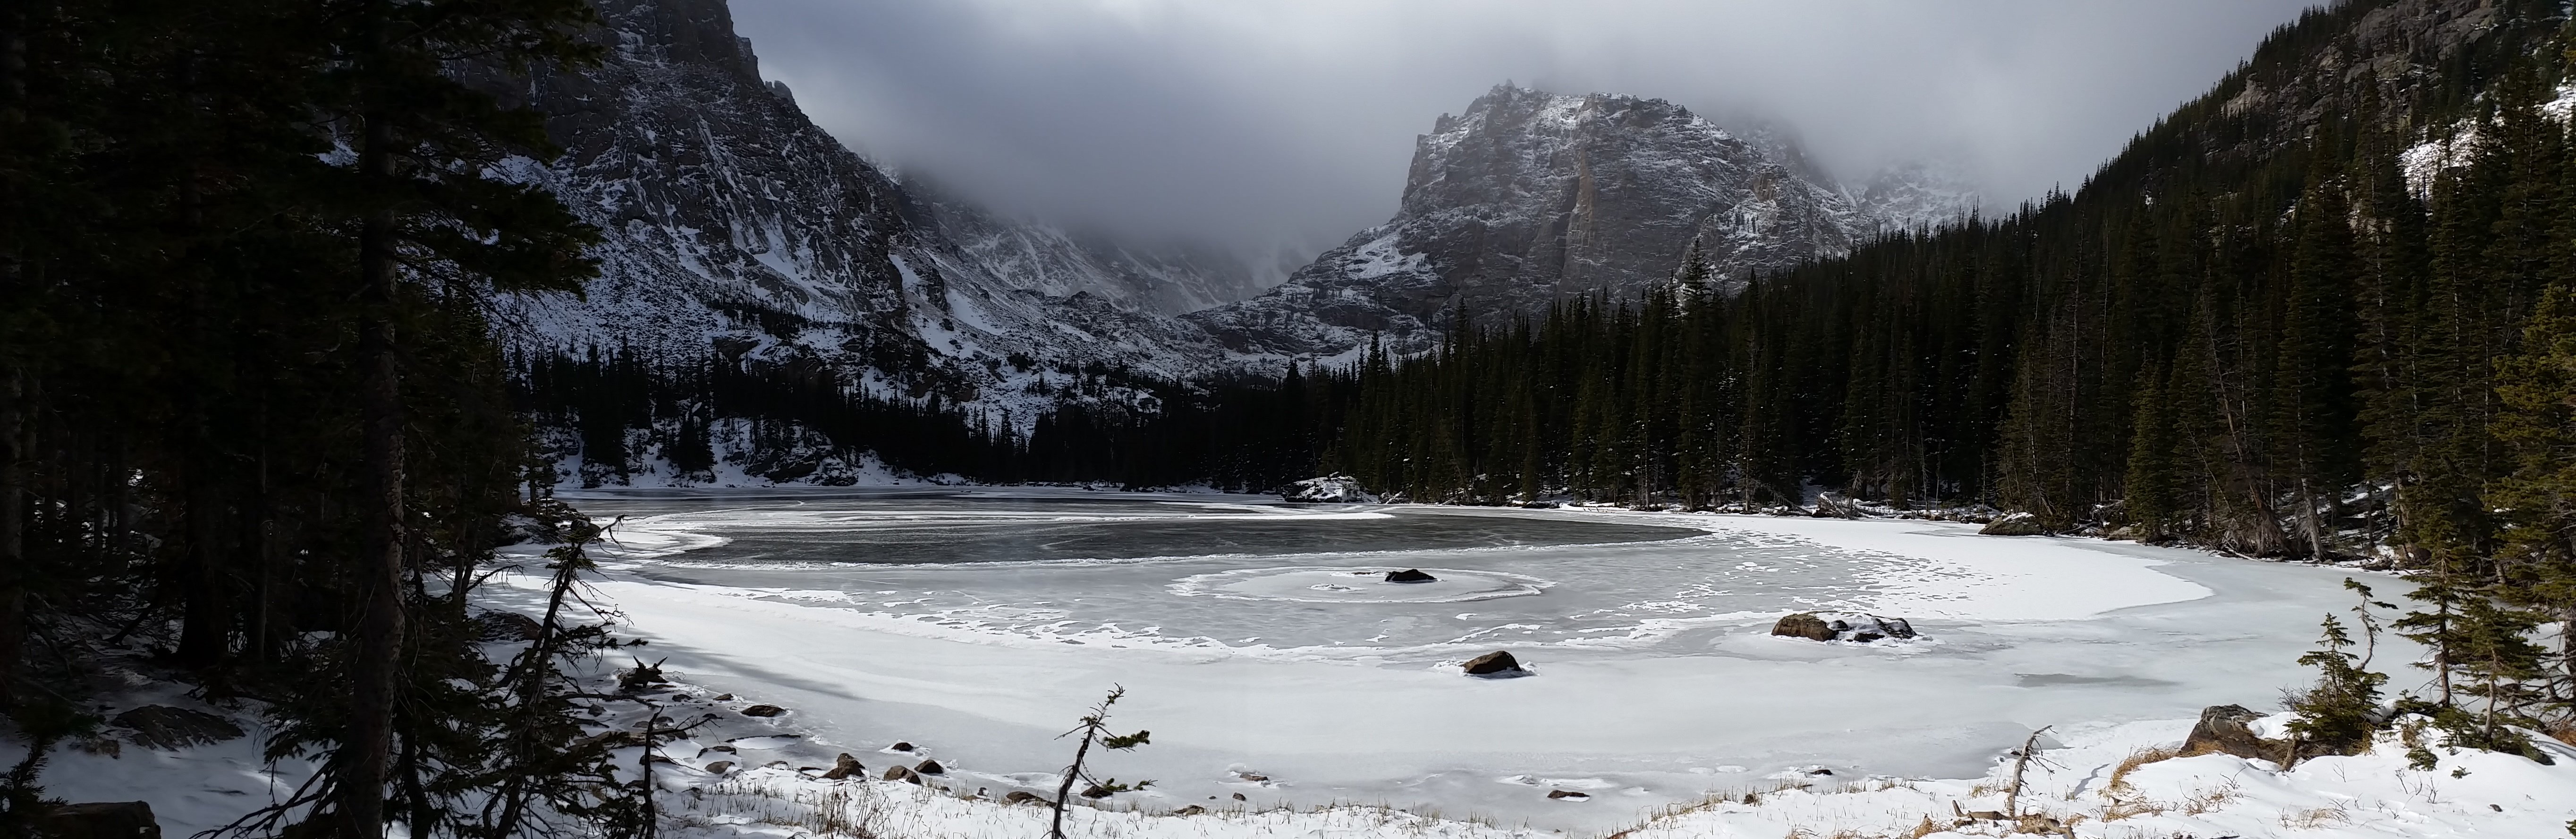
x: 1059, y: 263
x: 1531, y: 197
x: 736, y: 226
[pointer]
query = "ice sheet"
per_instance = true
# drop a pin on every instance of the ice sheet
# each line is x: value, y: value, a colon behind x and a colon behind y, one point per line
x: 1655, y: 668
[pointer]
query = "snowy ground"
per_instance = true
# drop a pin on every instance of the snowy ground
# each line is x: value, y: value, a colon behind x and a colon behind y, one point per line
x: 977, y: 624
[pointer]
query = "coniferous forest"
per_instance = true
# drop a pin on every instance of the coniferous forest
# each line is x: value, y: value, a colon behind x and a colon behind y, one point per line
x: 251, y: 411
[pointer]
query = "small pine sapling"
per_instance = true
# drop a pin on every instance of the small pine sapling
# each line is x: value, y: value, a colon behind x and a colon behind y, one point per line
x: 2341, y: 712
x: 1095, y: 729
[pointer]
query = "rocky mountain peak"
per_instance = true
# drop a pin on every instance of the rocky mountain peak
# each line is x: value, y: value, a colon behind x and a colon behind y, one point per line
x: 1528, y: 197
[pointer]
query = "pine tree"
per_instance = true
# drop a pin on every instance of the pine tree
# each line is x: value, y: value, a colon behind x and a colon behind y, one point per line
x: 2339, y: 713
x: 2497, y: 660
x: 2538, y: 425
x: 415, y: 192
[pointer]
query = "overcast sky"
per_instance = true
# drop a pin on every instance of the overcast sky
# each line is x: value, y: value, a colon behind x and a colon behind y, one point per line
x: 1266, y: 121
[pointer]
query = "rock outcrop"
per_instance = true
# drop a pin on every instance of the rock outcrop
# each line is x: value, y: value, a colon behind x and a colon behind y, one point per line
x: 2227, y: 729
x: 1410, y: 575
x: 1835, y: 627
x: 845, y: 766
x: 1496, y: 663
x: 2015, y: 524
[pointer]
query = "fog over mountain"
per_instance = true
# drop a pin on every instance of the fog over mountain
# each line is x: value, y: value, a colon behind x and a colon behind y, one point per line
x: 1267, y: 122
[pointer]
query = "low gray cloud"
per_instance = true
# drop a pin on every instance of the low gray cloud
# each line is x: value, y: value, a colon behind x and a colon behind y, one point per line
x: 1254, y: 122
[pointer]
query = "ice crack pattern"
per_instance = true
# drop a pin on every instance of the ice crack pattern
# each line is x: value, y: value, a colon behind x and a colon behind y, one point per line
x: 1308, y: 583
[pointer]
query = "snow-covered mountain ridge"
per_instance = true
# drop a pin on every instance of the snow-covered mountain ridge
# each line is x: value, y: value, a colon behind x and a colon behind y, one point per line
x: 734, y: 226
x: 1531, y: 197
x: 737, y: 228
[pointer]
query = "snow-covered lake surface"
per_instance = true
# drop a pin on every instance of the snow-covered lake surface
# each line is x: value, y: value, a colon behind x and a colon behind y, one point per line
x: 1260, y: 639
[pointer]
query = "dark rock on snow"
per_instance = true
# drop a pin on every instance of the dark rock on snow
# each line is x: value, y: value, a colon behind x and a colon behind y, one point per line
x: 167, y: 728
x: 1410, y: 575
x: 1191, y: 810
x: 901, y: 746
x: 902, y: 773
x: 1803, y: 625
x: 931, y: 767
x: 722, y: 766
x: 845, y: 766
x: 100, y: 820
x: 1565, y: 795
x: 763, y: 711
x: 1493, y: 663
x: 1023, y: 797
x: 2224, y: 729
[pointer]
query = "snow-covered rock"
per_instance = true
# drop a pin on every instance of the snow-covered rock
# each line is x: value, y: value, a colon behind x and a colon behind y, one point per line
x: 2015, y: 524
x: 1830, y: 626
x: 1330, y: 489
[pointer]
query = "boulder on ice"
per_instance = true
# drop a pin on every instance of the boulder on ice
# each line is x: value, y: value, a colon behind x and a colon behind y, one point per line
x: 1330, y: 489
x: 845, y: 766
x: 1410, y: 575
x: 1832, y: 627
x: 2015, y: 524
x: 1803, y: 625
x: 1496, y: 663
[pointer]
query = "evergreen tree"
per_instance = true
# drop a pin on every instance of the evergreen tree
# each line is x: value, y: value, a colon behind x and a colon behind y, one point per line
x: 2339, y: 713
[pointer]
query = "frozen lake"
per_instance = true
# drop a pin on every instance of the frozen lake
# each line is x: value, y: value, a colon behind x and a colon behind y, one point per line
x: 1259, y: 638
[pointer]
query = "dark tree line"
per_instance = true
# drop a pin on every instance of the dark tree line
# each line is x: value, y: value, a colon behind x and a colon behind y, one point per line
x: 617, y: 411
x: 252, y: 420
